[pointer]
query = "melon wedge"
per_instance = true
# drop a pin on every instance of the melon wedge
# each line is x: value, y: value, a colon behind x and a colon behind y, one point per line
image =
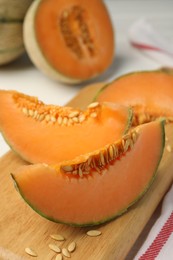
x: 98, y: 186
x: 50, y: 134
x: 149, y: 93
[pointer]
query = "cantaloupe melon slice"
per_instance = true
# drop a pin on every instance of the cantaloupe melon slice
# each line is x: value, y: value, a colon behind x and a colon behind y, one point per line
x: 50, y: 134
x: 98, y: 186
x: 149, y: 93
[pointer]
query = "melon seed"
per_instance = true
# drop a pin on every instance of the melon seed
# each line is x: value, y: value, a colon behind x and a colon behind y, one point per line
x: 55, y: 248
x: 93, y: 115
x: 134, y: 136
x: 81, y: 118
x: 65, y: 120
x: 89, y: 160
x: 73, y: 114
x: 67, y: 168
x: 71, y: 247
x: 80, y: 172
x: 41, y: 117
x: 102, y: 159
x: 35, y: 114
x: 53, y: 119
x: 169, y: 149
x: 66, y: 253
x: 93, y: 105
x: 47, y: 118
x: 75, y: 119
x: 60, y: 120
x: 25, y: 111
x: 94, y: 233
x: 111, y: 152
x: 31, y: 112
x: 59, y: 257
x: 30, y: 252
x: 126, y: 145
x: 57, y: 237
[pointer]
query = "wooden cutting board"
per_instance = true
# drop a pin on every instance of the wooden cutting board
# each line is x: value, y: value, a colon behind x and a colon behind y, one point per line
x: 21, y: 227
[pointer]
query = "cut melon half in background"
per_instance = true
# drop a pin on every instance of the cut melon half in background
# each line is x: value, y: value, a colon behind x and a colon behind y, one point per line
x: 70, y: 41
x: 98, y: 186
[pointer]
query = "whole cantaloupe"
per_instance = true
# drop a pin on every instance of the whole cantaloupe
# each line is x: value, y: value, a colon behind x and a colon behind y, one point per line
x: 12, y: 14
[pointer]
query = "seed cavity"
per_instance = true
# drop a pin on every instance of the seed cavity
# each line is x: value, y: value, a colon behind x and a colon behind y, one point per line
x: 102, y: 159
x: 63, y: 116
x: 76, y: 33
x: 94, y: 233
x: 55, y: 248
x: 30, y: 252
x: 57, y: 237
x: 66, y: 253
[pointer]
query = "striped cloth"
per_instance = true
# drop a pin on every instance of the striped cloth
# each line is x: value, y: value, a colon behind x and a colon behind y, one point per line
x: 159, y: 243
x: 145, y: 38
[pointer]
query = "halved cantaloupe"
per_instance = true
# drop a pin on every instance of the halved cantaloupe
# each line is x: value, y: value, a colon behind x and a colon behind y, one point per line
x: 149, y: 93
x: 50, y: 134
x: 70, y: 41
x: 97, y: 186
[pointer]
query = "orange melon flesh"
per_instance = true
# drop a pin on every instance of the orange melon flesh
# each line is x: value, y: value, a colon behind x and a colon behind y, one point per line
x: 149, y: 92
x: 97, y: 197
x: 41, y: 141
x: 71, y: 53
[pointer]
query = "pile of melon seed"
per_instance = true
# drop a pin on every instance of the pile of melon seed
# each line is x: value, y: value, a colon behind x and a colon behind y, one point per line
x: 62, y: 252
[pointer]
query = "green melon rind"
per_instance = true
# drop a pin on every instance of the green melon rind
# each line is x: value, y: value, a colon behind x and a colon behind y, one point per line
x: 129, y: 121
x: 162, y: 123
x: 127, y: 127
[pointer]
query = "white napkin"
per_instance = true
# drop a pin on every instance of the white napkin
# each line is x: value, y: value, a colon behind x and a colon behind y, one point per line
x: 143, y: 36
x: 159, y: 243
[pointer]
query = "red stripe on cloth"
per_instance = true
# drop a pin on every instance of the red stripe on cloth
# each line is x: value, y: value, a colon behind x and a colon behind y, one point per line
x: 149, y: 47
x: 160, y: 240
x: 145, y: 46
